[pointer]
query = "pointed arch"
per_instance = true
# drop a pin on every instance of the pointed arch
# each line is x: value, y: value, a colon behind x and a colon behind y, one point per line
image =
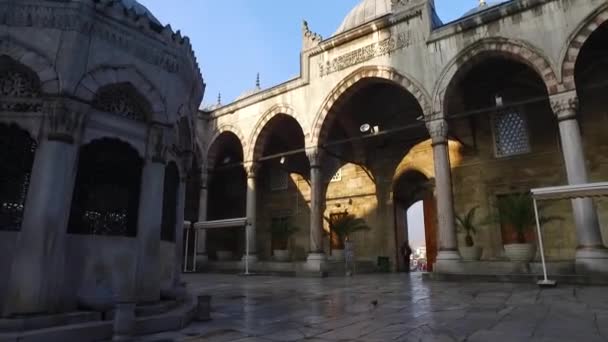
x: 577, y: 41
x: 335, y: 99
x: 259, y: 134
x: 93, y: 81
x: 514, y: 49
x: 211, y: 152
x: 34, y: 60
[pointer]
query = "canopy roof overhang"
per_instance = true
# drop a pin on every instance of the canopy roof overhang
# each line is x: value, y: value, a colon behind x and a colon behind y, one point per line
x: 228, y: 223
x: 571, y: 191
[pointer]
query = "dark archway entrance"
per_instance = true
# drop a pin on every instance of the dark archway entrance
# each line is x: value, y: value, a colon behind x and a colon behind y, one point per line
x: 413, y: 187
x: 227, y: 193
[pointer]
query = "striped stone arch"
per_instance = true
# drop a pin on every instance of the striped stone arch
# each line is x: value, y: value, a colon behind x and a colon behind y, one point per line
x: 98, y: 78
x: 511, y: 48
x: 576, y: 42
x: 259, y: 134
x: 35, y: 61
x: 211, y: 152
x: 336, y: 98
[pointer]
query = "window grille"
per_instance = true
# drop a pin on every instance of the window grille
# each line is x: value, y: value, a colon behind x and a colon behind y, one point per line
x: 337, y: 176
x: 17, y: 151
x: 123, y: 100
x: 106, y: 193
x: 511, y: 135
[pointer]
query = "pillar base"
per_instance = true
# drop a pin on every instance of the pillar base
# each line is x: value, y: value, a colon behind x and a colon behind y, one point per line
x: 315, y: 262
x: 448, y: 255
x: 592, y: 261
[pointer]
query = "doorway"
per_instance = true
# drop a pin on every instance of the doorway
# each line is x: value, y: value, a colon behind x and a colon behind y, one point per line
x: 415, y: 222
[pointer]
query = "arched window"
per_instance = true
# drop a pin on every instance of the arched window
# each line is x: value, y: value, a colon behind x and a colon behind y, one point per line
x: 19, y: 86
x: 122, y: 99
x: 169, y: 220
x: 106, y: 195
x: 17, y: 151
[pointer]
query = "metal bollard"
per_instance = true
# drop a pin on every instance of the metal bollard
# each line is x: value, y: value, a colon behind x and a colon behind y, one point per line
x: 203, y: 309
x: 124, y: 322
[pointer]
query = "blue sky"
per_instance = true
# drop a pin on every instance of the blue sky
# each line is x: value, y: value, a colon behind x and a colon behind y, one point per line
x: 235, y: 39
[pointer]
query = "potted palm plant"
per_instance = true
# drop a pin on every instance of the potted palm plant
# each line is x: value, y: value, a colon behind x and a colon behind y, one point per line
x: 516, y: 214
x: 344, y: 227
x: 468, y: 225
x: 281, y: 231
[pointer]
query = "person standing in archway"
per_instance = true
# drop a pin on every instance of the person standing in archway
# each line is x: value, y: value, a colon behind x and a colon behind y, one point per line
x: 406, y: 253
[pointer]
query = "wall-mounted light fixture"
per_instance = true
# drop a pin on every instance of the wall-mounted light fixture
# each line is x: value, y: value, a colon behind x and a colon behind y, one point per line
x: 369, y: 129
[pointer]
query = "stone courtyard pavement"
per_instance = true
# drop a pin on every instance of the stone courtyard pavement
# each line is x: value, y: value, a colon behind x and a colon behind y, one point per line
x: 394, y: 307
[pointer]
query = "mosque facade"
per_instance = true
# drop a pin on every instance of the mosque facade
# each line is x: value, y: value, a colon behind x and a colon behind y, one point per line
x: 397, y: 107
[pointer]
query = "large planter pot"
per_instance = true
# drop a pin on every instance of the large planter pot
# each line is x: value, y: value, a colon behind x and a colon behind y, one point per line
x: 281, y: 255
x: 471, y: 253
x: 337, y: 254
x: 224, y: 255
x: 520, y: 251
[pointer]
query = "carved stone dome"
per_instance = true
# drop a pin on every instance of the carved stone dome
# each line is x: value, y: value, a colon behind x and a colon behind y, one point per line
x: 365, y: 11
x: 140, y: 10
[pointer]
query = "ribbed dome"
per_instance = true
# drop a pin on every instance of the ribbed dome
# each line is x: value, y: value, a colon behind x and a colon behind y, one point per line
x: 140, y: 9
x: 482, y: 8
x: 364, y: 12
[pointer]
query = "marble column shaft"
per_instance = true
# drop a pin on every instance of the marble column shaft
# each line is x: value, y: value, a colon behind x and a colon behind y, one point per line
x: 316, y: 206
x: 565, y: 107
x: 448, y: 243
x: 250, y: 229
x: 201, y: 242
x: 37, y: 272
x: 147, y: 279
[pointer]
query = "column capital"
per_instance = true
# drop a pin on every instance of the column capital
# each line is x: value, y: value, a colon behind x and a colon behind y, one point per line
x: 157, y: 145
x: 565, y: 105
x: 65, y: 118
x: 438, y: 130
x: 251, y: 168
x: 314, y: 156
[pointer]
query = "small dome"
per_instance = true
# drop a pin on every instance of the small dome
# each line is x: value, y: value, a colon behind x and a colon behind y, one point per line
x: 140, y: 10
x: 364, y: 12
x: 483, y: 6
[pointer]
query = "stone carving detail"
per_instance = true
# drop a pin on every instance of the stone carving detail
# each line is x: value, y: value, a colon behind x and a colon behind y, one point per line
x: 438, y: 130
x: 314, y: 156
x: 311, y: 39
x: 565, y: 105
x: 19, y: 90
x: 65, y: 118
x: 157, y: 146
x: 363, y: 54
x: 121, y: 100
x: 399, y: 3
x: 72, y: 19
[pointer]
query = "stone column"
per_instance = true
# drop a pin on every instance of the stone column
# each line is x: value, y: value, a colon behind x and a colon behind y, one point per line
x: 252, y: 170
x: 316, y: 257
x: 201, y: 237
x: 591, y: 255
x: 150, y: 218
x: 37, y: 274
x: 448, y: 243
x: 179, y: 221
